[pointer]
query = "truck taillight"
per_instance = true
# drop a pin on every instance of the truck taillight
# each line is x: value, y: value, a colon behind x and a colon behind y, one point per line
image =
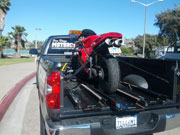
x: 53, y: 90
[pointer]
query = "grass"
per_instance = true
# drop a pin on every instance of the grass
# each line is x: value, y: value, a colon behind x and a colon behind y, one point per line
x: 10, y: 61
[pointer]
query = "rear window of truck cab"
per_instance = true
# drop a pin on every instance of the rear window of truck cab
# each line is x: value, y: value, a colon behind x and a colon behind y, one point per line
x: 61, y: 46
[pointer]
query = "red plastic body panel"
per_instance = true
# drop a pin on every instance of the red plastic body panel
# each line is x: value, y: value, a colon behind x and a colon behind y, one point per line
x: 91, y: 42
x: 105, y: 36
x: 83, y: 56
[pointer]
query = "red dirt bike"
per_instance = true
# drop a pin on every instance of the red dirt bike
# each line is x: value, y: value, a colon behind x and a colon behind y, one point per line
x: 99, y: 64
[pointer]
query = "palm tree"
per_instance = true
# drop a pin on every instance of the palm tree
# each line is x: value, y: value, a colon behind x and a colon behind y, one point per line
x: 19, y: 35
x: 4, y: 8
x: 4, y: 41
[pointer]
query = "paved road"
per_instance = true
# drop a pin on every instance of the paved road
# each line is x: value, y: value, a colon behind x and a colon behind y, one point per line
x: 175, y: 131
x: 22, y: 117
x: 12, y: 74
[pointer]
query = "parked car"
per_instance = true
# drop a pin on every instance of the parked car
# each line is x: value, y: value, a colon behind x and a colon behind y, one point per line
x: 161, y: 51
x: 173, y: 52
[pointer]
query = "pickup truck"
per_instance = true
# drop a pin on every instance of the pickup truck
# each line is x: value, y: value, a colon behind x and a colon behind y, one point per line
x: 146, y: 101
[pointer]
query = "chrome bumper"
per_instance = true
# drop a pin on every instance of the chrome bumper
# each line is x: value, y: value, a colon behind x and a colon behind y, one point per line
x: 171, y: 121
x: 85, y: 129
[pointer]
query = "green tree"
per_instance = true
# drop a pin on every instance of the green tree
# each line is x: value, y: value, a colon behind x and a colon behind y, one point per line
x: 152, y: 41
x: 39, y: 44
x: 4, y: 41
x: 132, y: 49
x: 4, y: 8
x: 125, y: 51
x: 19, y: 35
x: 169, y: 24
x: 4, y: 5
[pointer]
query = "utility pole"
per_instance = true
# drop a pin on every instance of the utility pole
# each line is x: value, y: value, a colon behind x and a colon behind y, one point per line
x: 36, y: 36
x: 146, y: 6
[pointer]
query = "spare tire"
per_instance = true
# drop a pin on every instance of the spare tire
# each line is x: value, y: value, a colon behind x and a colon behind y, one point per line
x: 110, y: 70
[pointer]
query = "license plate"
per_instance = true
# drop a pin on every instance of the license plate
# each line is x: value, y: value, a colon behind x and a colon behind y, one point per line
x: 114, y: 50
x: 126, y: 122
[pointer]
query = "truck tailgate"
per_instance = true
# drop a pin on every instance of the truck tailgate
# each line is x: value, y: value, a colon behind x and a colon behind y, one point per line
x: 147, y: 122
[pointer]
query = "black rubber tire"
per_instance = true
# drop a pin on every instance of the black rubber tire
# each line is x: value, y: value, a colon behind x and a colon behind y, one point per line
x: 136, y: 80
x: 111, y: 78
x: 42, y: 125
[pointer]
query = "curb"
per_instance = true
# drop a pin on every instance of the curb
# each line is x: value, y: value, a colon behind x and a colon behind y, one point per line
x: 12, y: 94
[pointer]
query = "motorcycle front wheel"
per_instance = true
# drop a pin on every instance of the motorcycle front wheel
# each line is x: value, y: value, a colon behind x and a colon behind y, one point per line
x: 109, y: 74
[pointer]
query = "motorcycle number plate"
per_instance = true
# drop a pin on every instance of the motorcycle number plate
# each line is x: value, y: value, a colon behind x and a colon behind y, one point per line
x: 114, y: 50
x: 126, y: 122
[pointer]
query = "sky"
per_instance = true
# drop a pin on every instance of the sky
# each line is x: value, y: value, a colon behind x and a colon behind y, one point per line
x: 57, y: 17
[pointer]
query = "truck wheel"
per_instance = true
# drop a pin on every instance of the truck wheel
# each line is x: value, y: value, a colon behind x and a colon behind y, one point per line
x: 109, y: 74
x: 42, y: 125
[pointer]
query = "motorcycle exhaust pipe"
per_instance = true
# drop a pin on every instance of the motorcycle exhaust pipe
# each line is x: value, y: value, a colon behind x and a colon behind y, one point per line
x: 118, y: 42
x: 112, y: 42
x: 109, y: 41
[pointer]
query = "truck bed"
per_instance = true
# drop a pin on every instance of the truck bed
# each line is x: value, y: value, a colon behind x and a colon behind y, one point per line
x: 84, y: 95
x: 81, y: 97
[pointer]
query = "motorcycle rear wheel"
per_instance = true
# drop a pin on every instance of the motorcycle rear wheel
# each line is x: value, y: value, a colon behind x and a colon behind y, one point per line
x: 110, y: 74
